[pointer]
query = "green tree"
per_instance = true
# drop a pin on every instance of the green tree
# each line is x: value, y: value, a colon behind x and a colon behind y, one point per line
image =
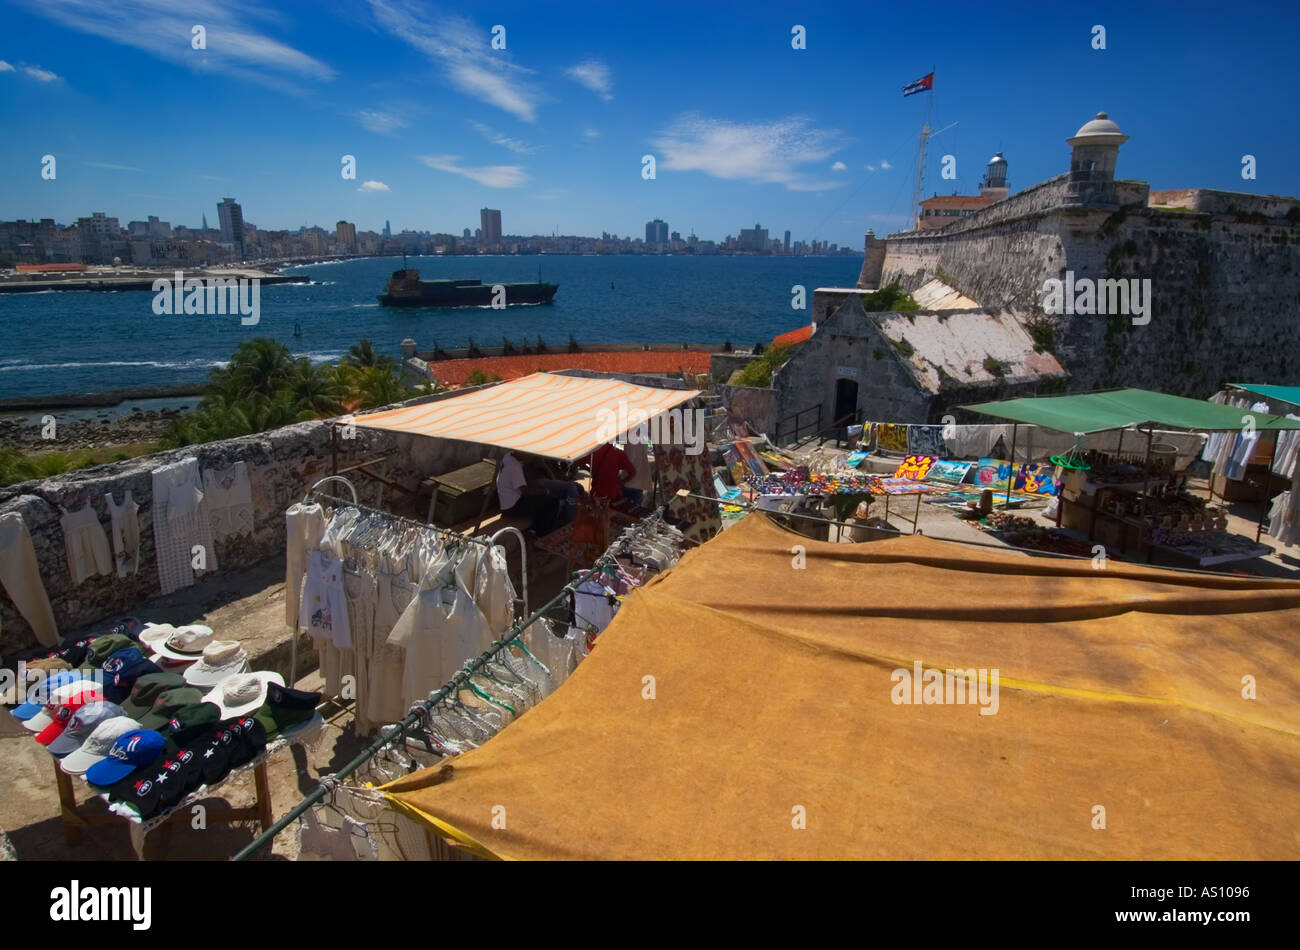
x: 363, y: 355
x: 316, y: 388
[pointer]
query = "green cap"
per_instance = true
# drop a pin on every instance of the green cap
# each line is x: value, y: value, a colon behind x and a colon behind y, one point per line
x: 146, y: 691
x: 191, y: 722
x: 168, y: 703
x: 101, y: 648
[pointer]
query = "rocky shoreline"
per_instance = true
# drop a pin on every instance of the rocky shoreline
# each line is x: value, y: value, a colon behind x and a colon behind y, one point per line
x: 79, y: 434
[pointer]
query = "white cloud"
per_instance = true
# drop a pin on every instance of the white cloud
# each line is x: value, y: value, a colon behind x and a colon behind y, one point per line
x: 761, y: 152
x: 41, y: 75
x: 234, y: 44
x: 117, y: 168
x: 870, y: 168
x: 595, y: 76
x: 373, y: 186
x: 5, y: 67
x: 381, y: 122
x: 839, y: 167
x: 885, y: 165
x: 493, y: 176
x: 496, y: 138
x: 591, y: 133
x: 463, y: 50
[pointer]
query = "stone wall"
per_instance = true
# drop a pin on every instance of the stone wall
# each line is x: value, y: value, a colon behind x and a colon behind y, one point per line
x: 282, y: 465
x: 850, y: 346
x: 722, y: 365
x: 1225, y: 290
x: 755, y: 405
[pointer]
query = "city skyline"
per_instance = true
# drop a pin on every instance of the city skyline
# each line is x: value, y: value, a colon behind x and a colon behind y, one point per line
x: 554, y: 127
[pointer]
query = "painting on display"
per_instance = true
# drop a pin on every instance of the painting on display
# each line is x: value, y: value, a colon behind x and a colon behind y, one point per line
x: 926, y: 440
x: 1036, y: 478
x: 949, y: 472
x: 891, y: 437
x: 914, y: 467
x: 993, y: 473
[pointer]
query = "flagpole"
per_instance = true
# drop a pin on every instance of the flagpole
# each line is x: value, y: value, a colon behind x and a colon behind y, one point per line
x: 920, y: 156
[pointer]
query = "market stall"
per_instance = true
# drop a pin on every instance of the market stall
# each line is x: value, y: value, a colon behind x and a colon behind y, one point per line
x: 1106, y: 695
x: 1137, y: 502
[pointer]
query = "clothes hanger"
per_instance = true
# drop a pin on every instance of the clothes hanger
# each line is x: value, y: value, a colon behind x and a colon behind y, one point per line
x: 483, y: 695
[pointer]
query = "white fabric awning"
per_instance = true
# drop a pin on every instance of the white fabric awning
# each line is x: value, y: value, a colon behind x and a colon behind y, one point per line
x: 559, y: 417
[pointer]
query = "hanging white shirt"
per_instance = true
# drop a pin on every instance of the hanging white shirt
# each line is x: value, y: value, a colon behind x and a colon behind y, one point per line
x: 510, y: 479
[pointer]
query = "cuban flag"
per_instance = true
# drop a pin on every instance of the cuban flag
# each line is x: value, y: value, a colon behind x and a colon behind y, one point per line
x: 921, y: 85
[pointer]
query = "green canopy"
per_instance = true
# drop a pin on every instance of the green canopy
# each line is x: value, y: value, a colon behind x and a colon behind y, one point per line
x: 1289, y: 394
x: 1121, y: 408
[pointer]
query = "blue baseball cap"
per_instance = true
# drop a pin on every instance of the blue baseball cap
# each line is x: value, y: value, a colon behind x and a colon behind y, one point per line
x: 40, y: 694
x: 122, y: 669
x: 130, y: 751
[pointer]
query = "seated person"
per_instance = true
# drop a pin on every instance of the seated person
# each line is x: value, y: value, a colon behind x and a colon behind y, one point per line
x: 531, y: 490
x: 610, y: 468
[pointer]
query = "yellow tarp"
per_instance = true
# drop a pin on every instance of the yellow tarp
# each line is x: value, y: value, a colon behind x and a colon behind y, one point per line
x: 1118, y: 689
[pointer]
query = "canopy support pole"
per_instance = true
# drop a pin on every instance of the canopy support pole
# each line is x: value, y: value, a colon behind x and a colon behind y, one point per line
x: 1011, y: 476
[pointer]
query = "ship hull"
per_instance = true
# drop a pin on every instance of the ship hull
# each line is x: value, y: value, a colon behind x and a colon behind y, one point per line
x: 477, y: 295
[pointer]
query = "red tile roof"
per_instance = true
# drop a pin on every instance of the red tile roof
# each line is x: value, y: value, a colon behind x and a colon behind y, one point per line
x: 456, y: 372
x: 794, y: 336
x: 960, y: 202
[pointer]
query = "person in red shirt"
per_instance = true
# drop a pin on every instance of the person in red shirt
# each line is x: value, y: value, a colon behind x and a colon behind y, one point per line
x: 610, y: 468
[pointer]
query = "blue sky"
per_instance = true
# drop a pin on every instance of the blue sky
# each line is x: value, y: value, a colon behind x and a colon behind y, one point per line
x: 552, y: 129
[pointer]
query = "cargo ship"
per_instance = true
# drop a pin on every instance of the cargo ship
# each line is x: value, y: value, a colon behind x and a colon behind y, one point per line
x: 405, y: 289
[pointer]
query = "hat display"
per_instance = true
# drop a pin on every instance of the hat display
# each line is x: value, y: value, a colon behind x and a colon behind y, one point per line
x: 155, y: 633
x: 185, y: 643
x: 64, y: 713
x: 122, y: 669
x: 58, y: 698
x: 145, y: 692
x: 83, y: 722
x: 141, y: 791
x: 39, y: 694
x: 243, y: 692
x: 130, y: 751
x: 50, y: 664
x: 96, y: 745
x: 221, y: 658
x: 179, y: 775
x: 286, y: 709
x: 168, y: 703
x: 101, y: 648
x: 250, y: 740
x: 192, y: 722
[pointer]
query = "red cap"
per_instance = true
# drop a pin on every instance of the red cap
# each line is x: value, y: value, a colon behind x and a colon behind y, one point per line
x: 63, y: 714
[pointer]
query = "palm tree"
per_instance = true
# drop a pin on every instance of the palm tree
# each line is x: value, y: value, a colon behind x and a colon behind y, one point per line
x: 377, y: 386
x: 363, y: 355
x: 315, y: 388
x: 260, y: 366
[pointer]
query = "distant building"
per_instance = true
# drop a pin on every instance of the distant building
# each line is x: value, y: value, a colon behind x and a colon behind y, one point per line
x: 490, y: 224
x: 994, y: 184
x: 388, y: 229
x: 345, y: 235
x: 232, y: 223
x: 939, y: 211
x: 753, y: 239
x: 787, y: 242
x: 656, y: 232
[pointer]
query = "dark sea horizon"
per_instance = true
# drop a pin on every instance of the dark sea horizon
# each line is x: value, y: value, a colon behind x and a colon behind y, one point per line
x: 58, y: 343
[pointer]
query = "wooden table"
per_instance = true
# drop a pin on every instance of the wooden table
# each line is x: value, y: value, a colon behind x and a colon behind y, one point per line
x: 76, y: 820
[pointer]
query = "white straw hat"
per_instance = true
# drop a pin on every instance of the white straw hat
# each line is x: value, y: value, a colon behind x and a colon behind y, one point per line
x: 243, y: 692
x: 221, y: 658
x: 154, y: 634
x: 185, y: 643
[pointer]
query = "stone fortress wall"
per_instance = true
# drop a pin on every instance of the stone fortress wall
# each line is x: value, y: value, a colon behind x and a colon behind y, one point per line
x: 1224, y: 271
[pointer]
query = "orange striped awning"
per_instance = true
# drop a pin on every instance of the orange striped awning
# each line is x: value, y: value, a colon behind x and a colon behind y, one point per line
x: 559, y: 417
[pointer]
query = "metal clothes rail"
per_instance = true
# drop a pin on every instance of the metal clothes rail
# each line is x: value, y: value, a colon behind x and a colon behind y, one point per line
x: 394, y: 733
